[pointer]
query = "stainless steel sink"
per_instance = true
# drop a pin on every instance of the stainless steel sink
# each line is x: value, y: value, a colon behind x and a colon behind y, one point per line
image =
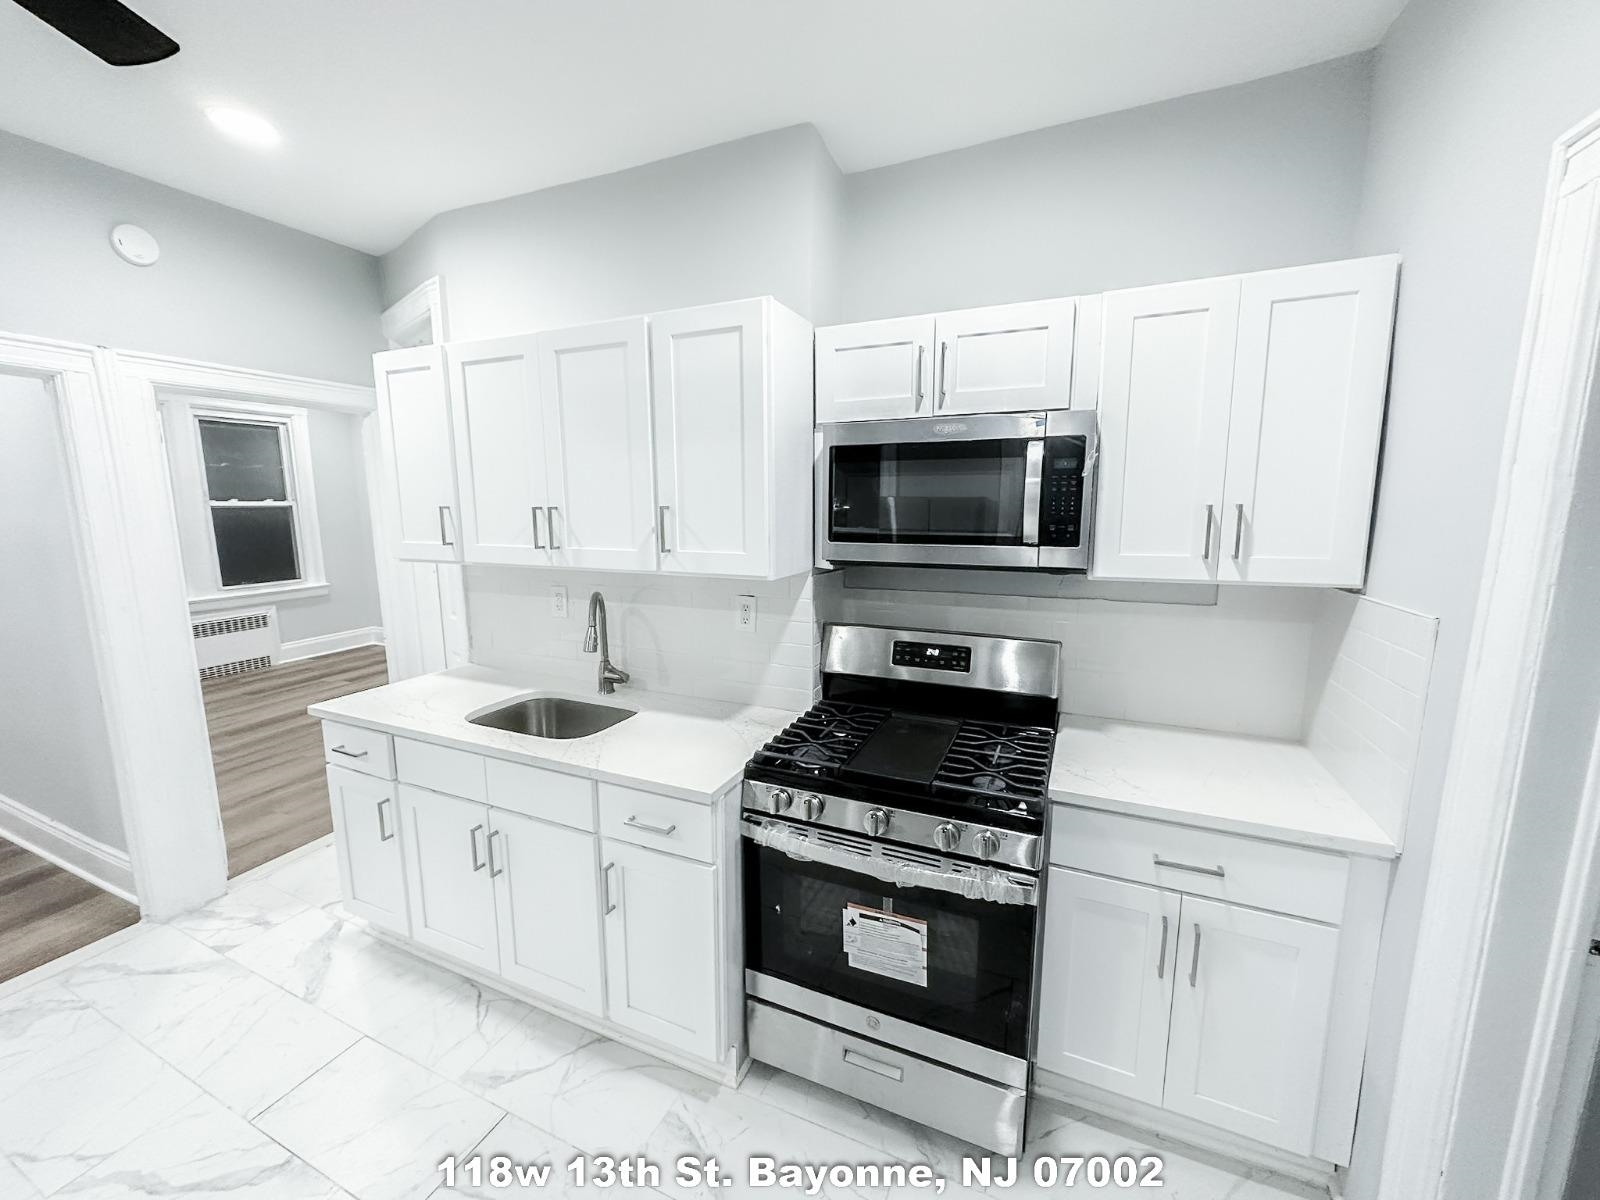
x: 553, y: 717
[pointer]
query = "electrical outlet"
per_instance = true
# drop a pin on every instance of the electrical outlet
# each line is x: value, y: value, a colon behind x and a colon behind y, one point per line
x: 558, y: 602
x: 745, y: 614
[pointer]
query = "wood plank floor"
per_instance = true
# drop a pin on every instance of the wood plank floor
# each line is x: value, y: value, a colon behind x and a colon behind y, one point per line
x: 268, y: 753
x: 46, y: 912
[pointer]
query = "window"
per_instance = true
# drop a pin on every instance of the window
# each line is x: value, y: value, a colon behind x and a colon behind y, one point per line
x: 248, y: 483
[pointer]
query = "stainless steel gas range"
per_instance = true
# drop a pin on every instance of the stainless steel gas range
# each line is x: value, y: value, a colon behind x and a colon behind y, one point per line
x: 894, y: 844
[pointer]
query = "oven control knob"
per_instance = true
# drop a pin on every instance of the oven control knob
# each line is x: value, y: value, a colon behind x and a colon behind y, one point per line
x: 877, y: 822
x: 947, y: 837
x: 811, y: 807
x: 986, y: 844
x: 779, y: 800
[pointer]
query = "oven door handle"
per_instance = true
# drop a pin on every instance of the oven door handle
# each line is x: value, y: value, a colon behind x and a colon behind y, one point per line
x: 1032, y: 491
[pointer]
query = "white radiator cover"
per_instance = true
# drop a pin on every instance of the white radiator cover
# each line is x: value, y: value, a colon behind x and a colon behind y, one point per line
x: 236, y: 643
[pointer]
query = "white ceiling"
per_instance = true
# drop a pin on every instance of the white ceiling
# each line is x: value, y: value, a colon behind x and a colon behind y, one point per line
x: 393, y: 111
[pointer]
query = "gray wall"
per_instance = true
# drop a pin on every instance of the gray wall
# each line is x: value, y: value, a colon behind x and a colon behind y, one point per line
x: 734, y: 220
x: 54, y: 748
x: 230, y: 288
x: 1263, y: 174
x: 1469, y: 96
x: 347, y: 554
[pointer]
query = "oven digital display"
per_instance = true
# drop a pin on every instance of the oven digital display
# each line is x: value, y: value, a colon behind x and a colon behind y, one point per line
x: 932, y: 657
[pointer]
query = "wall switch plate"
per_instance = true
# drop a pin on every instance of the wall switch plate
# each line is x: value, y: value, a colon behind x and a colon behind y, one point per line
x: 744, y: 614
x: 558, y: 602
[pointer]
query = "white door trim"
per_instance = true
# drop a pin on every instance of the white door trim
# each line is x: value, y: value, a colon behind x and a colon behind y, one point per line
x: 417, y: 318
x: 1504, y: 677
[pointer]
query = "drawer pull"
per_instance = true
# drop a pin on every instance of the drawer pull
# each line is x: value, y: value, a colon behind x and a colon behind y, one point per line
x: 646, y: 827
x: 1214, y: 872
x: 1161, y: 961
x: 348, y: 753
x: 887, y: 1070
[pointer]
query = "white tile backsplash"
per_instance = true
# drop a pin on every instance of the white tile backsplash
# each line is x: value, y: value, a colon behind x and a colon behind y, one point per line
x: 1365, y: 695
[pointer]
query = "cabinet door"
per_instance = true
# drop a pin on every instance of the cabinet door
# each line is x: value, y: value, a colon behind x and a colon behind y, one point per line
x: 1311, y: 373
x: 708, y: 390
x: 1250, y: 1021
x: 661, y: 946
x: 1166, y: 381
x: 366, y: 831
x: 499, y: 442
x: 595, y: 383
x: 874, y: 370
x: 1106, y: 987
x: 1007, y: 358
x: 446, y: 842
x: 547, y: 897
x: 414, y: 420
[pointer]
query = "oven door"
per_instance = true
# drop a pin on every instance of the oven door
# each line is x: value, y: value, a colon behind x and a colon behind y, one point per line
x: 931, y: 490
x: 971, y: 977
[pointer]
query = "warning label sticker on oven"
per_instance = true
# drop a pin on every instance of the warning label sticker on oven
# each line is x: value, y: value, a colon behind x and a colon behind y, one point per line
x: 886, y: 943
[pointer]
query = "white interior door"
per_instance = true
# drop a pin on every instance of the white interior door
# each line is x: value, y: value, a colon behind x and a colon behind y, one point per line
x: 1311, y: 373
x: 1005, y: 358
x: 500, y: 453
x: 446, y: 843
x: 1250, y: 1021
x: 367, y: 834
x: 1166, y: 382
x: 1106, y: 988
x: 547, y: 898
x: 414, y: 421
x: 874, y: 370
x: 708, y: 372
x: 596, y: 386
x: 661, y: 946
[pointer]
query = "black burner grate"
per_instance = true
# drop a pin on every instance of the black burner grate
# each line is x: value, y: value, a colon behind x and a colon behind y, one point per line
x: 825, y: 737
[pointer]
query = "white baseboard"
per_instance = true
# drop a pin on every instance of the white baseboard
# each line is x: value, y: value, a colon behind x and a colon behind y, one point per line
x: 330, y: 643
x: 96, y: 862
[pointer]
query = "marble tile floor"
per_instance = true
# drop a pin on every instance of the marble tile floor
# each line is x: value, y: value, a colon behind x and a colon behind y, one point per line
x: 267, y: 1048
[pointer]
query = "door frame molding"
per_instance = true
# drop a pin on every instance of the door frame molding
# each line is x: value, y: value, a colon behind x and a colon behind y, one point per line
x: 1506, y: 676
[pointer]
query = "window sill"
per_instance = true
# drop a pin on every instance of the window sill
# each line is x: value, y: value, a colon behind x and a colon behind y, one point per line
x: 300, y: 589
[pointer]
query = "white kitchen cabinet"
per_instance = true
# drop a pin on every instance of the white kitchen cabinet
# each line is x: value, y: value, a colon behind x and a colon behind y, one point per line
x: 1005, y: 358
x: 499, y: 450
x: 547, y: 903
x: 731, y: 389
x: 446, y: 843
x: 367, y: 833
x: 595, y: 390
x: 1250, y: 1021
x: 1166, y: 383
x: 875, y: 370
x: 1307, y: 418
x: 1107, y: 982
x: 415, y: 427
x: 661, y: 946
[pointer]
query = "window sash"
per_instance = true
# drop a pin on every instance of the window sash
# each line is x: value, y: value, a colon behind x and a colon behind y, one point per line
x: 286, y: 460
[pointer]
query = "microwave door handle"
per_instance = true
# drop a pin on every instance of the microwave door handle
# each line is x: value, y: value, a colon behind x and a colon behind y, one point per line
x: 1032, y: 490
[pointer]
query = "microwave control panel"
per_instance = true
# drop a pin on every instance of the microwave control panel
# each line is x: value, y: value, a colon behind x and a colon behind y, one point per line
x: 1061, y: 493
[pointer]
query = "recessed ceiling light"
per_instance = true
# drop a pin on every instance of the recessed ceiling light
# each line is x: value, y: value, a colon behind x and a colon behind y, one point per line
x: 244, y: 126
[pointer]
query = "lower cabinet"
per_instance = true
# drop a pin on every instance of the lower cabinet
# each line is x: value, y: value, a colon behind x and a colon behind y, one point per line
x: 447, y: 875
x: 366, y: 827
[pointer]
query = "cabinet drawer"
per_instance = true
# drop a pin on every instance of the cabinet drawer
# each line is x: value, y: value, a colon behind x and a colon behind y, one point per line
x: 659, y: 822
x: 357, y: 749
x: 1239, y: 870
x: 440, y: 769
x: 546, y: 795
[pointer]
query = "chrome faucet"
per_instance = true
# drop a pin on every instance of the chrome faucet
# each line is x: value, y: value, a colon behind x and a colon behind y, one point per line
x: 594, y: 638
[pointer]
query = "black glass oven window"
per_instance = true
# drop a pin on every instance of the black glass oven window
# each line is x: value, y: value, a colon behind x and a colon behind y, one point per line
x: 946, y: 493
x: 980, y: 954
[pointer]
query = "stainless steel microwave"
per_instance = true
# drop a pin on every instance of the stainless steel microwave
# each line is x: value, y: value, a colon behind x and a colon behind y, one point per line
x: 1005, y: 490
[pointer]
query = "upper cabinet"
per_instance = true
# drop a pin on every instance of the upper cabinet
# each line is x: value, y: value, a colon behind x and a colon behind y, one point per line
x: 874, y: 370
x: 420, y: 478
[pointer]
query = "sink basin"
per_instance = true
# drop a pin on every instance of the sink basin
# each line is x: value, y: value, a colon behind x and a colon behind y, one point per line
x: 553, y: 717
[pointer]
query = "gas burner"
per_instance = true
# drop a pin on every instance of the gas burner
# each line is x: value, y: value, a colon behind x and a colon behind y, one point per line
x: 822, y: 740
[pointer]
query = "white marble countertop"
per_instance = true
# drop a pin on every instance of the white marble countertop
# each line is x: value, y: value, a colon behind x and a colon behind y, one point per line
x: 674, y: 744
x: 1229, y: 782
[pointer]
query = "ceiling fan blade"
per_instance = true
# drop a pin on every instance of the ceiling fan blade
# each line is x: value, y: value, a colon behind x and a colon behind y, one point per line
x: 106, y: 28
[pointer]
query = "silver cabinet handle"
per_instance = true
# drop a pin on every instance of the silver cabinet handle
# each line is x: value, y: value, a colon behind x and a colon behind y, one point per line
x: 1161, y: 961
x: 348, y: 753
x: 944, y: 379
x: 1238, y: 531
x: 605, y: 883
x: 888, y: 1070
x: 550, y: 515
x: 1194, y: 963
x: 537, y: 544
x: 477, y: 860
x: 662, y: 830
x: 1214, y: 872
x: 917, y: 399
x: 661, y: 528
x: 1211, y: 520
x: 385, y: 834
x: 444, y: 536
x: 494, y: 872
